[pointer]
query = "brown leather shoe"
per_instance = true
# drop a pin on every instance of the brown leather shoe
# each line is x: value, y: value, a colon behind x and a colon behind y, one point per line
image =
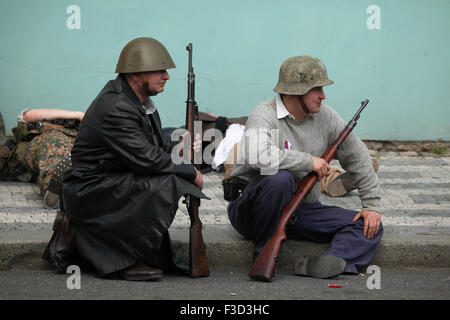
x: 341, y: 185
x: 141, y: 272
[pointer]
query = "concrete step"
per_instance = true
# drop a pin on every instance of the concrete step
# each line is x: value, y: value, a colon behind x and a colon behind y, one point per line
x: 226, y: 248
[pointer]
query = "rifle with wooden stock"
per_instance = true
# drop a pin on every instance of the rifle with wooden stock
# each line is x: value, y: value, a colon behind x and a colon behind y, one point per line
x: 264, y: 266
x: 198, y: 263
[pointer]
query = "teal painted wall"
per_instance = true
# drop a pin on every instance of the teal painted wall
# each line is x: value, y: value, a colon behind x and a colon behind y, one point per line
x: 402, y: 67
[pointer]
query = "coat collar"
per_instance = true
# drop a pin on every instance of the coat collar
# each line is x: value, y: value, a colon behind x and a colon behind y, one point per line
x: 120, y: 85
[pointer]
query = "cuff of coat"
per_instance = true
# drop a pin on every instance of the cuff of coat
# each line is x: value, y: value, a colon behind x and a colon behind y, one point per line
x: 372, y: 205
x: 188, y: 172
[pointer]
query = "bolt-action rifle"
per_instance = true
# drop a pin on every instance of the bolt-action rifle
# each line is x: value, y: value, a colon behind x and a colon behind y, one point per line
x: 198, y: 263
x: 264, y: 266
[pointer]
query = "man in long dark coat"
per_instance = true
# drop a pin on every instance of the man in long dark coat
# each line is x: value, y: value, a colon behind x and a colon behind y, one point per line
x: 123, y: 189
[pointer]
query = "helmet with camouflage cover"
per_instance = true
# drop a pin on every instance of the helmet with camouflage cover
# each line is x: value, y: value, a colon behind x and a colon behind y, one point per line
x: 143, y: 55
x: 300, y: 74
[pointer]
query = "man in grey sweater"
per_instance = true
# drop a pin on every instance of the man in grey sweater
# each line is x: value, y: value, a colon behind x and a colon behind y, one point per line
x: 283, y: 141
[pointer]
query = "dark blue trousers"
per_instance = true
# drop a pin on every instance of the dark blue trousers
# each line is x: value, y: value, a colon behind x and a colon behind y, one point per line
x: 256, y: 213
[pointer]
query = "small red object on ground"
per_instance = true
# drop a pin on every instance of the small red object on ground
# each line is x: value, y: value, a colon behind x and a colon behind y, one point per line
x: 332, y: 285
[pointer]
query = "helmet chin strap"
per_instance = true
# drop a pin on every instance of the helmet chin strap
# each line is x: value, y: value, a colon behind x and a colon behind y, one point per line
x: 146, y: 86
x: 303, y: 105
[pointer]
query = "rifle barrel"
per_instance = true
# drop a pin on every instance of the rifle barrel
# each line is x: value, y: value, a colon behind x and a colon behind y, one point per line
x: 363, y: 105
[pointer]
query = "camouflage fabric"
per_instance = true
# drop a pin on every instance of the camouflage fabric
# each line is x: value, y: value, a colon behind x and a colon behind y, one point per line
x: 5, y: 153
x: 46, y: 150
x: 17, y: 166
x: 25, y: 132
x: 37, y: 150
x: 13, y: 166
x: 57, y: 177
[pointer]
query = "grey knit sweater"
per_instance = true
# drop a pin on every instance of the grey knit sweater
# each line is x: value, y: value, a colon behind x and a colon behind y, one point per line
x: 270, y: 144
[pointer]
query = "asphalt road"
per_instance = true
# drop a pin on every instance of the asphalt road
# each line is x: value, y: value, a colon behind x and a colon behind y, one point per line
x: 225, y: 284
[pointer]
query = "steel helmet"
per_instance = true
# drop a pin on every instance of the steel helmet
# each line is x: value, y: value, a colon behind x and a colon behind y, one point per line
x: 300, y: 74
x: 143, y: 55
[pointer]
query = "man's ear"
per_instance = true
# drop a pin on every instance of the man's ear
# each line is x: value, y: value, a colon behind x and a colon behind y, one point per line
x: 133, y: 77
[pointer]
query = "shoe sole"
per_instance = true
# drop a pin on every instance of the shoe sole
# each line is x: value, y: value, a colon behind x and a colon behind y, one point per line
x: 322, y: 267
x: 48, y: 201
x: 341, y: 185
x: 153, y: 278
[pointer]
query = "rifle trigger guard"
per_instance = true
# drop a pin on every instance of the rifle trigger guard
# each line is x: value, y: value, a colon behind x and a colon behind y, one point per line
x: 339, y: 146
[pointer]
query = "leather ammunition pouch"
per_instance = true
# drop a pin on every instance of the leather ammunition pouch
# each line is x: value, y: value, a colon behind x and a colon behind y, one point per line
x: 233, y: 188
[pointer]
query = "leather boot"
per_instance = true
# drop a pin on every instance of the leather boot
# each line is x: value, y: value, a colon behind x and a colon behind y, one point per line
x: 333, y: 173
x: 339, y: 183
x: 141, y: 272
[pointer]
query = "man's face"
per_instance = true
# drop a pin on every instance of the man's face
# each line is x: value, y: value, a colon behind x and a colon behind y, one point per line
x: 157, y: 81
x: 313, y: 99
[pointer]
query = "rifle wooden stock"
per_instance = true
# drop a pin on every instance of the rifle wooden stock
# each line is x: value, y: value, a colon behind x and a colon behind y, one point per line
x: 264, y: 266
x: 198, y: 263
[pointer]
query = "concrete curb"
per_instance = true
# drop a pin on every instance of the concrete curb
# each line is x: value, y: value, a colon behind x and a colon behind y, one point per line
x: 226, y: 248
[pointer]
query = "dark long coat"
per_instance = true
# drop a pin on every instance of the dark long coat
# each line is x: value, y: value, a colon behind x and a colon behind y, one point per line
x: 123, y: 189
